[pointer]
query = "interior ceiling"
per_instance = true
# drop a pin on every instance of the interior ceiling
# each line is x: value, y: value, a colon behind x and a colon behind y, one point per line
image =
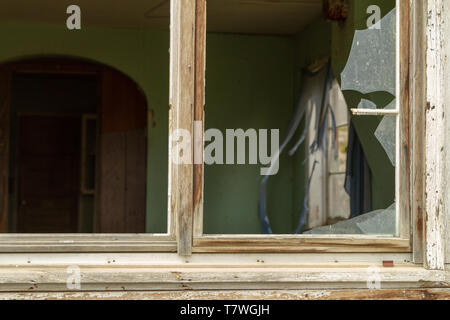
x: 237, y: 16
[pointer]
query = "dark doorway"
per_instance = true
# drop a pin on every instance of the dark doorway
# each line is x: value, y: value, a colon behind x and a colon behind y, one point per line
x: 48, y: 173
x: 77, y: 136
x: 47, y: 109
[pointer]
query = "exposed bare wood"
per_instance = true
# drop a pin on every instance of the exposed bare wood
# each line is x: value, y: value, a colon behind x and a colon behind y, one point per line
x: 299, y: 244
x: 418, y: 103
x: 445, y: 29
x: 388, y: 294
x: 42, y: 279
x: 447, y: 253
x: 173, y: 100
x: 200, y: 69
x: 15, y: 243
x: 27, y: 237
x: 171, y: 213
x: 4, y: 147
x: 435, y: 144
x: 182, y: 104
x: 404, y: 145
x: 313, y: 248
x: 447, y: 241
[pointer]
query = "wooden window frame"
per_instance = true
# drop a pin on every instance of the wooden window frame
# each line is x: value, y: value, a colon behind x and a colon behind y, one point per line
x: 410, y: 149
x: 63, y: 243
x: 422, y: 226
x: 24, y: 274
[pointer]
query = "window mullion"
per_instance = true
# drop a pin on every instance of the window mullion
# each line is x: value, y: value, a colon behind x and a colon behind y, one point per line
x: 182, y: 99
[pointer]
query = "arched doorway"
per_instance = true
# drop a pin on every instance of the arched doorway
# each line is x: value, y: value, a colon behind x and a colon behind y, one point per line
x: 73, y: 148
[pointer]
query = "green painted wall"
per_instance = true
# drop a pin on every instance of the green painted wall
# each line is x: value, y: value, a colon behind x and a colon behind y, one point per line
x: 141, y: 54
x: 312, y: 43
x: 253, y: 73
x: 250, y: 82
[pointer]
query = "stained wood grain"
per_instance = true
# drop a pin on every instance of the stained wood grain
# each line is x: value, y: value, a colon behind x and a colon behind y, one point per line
x: 200, y: 69
x: 129, y: 278
x: 324, y: 294
x: 182, y: 100
x: 418, y: 104
x: 404, y: 195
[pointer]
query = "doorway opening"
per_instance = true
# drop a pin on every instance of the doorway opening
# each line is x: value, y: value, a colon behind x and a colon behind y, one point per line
x: 77, y: 141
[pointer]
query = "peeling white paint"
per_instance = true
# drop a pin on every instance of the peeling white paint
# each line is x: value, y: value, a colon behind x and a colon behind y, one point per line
x: 436, y: 161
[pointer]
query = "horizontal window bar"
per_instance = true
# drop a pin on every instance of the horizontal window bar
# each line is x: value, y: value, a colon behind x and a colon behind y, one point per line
x: 374, y: 112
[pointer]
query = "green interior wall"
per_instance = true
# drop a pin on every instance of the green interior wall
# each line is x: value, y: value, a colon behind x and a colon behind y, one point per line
x: 252, y: 82
x: 141, y: 54
x: 253, y: 71
x: 249, y: 84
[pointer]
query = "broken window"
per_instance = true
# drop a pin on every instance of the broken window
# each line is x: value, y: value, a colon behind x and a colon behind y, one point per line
x: 310, y: 100
x: 301, y: 124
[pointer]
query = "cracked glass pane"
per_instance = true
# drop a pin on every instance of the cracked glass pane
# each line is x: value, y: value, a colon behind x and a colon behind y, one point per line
x: 298, y: 71
x: 385, y: 134
x: 370, y: 69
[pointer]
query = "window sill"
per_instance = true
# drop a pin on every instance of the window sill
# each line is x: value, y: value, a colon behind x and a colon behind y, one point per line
x: 167, y: 272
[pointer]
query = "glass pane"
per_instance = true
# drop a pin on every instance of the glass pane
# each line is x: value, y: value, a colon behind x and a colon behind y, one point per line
x: 369, y: 72
x: 284, y: 155
x: 361, y: 200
